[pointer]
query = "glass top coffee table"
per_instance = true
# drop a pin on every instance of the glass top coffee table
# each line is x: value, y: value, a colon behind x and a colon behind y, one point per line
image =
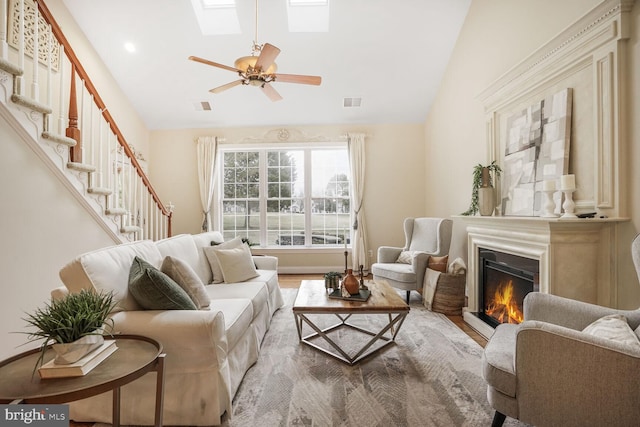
x: 313, y: 303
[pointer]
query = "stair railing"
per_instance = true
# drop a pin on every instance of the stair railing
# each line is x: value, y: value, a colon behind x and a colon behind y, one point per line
x: 97, y: 146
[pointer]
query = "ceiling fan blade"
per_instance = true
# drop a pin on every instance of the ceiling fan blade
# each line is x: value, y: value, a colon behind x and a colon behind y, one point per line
x: 295, y: 78
x: 267, y: 56
x: 270, y: 92
x: 227, y: 86
x: 213, y: 64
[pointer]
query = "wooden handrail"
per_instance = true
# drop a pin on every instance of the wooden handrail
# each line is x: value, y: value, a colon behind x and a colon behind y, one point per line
x: 55, y: 28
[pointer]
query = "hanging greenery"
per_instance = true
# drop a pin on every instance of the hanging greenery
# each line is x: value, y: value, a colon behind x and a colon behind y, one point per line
x: 477, y: 182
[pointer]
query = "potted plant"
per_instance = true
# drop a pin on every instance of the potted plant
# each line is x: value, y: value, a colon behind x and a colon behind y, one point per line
x: 73, y: 324
x: 332, y: 280
x: 482, y: 194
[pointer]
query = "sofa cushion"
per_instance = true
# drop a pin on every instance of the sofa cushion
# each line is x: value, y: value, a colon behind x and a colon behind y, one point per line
x: 236, y: 264
x: 183, y: 275
x: 270, y: 278
x: 154, y: 290
x: 395, y: 271
x: 613, y: 327
x: 256, y: 292
x: 238, y: 314
x: 210, y: 252
x: 183, y: 246
x: 498, y: 359
x: 107, y: 269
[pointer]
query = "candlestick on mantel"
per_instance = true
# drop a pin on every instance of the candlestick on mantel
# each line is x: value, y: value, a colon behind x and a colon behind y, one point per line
x: 567, y: 182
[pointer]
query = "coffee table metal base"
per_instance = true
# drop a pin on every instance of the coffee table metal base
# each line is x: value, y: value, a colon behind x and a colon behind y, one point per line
x: 395, y: 319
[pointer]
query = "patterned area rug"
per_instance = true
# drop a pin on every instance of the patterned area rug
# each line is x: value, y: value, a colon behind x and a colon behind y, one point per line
x: 431, y: 377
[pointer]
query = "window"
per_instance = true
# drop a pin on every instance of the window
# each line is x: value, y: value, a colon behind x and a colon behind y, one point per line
x: 289, y: 196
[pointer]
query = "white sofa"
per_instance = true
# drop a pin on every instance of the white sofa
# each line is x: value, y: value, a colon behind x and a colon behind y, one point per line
x: 208, y: 350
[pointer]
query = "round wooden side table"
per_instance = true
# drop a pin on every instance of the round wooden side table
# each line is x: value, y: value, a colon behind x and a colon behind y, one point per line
x: 136, y: 355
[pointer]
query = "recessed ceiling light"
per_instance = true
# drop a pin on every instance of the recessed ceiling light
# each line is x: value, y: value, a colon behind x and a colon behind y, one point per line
x: 129, y: 47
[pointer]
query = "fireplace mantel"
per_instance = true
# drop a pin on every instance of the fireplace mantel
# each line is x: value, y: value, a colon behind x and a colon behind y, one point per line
x: 575, y: 255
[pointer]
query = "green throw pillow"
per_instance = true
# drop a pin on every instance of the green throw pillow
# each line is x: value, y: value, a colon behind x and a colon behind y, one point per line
x: 154, y: 290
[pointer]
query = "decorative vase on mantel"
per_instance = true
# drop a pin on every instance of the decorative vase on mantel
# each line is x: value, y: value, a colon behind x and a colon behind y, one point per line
x: 486, y: 194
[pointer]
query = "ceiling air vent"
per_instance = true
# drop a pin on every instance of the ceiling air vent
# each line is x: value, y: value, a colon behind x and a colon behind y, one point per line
x: 202, y: 106
x: 351, y: 102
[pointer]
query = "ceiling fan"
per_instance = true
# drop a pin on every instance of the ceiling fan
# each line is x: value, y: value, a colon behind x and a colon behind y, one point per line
x: 259, y: 69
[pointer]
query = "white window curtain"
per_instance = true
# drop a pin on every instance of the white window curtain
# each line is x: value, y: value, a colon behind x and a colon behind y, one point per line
x: 357, y: 163
x: 207, y: 147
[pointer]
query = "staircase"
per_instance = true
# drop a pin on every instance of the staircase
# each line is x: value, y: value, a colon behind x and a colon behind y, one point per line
x: 64, y: 120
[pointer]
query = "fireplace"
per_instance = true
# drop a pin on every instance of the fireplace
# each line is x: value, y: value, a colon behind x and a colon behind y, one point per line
x: 503, y: 282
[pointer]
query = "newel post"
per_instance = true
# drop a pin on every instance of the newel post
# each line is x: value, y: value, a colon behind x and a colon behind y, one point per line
x: 72, y: 131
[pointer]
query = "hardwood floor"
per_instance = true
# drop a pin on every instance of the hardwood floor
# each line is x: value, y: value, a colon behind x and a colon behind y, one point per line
x: 293, y: 281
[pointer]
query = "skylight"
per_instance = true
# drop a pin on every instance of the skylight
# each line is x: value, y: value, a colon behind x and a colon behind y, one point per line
x: 310, y: 16
x: 216, y: 16
x: 211, y: 4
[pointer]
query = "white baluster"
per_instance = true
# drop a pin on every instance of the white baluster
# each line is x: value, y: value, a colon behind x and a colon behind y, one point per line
x: 61, y: 97
x: 48, y: 117
x: 100, y: 148
x: 109, y: 167
x: 4, y: 47
x: 35, y: 91
x: 81, y: 123
x: 17, y: 89
x: 91, y: 131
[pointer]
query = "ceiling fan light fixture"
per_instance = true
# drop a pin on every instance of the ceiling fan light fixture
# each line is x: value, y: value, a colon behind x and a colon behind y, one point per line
x: 245, y: 62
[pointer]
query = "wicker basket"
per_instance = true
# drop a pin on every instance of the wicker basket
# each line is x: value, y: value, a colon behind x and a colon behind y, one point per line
x: 449, y: 296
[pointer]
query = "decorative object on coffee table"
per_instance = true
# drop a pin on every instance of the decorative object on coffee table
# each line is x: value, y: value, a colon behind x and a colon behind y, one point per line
x: 350, y: 283
x: 78, y: 319
x: 332, y: 280
x: 482, y: 192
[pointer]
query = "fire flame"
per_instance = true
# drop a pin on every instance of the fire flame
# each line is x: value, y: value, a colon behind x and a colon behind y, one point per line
x: 504, y: 307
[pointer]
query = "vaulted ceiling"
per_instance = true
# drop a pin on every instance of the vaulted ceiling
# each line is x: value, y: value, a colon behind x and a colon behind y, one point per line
x: 391, y: 54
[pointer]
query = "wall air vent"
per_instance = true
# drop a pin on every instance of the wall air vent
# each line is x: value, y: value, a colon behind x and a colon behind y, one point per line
x: 202, y: 106
x: 351, y: 102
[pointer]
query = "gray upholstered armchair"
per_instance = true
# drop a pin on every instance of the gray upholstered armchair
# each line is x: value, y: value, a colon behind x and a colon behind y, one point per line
x: 424, y: 237
x: 547, y: 371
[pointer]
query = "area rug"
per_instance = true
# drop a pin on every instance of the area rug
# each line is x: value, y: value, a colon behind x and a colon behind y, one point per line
x: 430, y: 377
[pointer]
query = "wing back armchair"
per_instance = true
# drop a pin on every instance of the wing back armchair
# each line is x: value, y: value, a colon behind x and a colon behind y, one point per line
x: 424, y: 237
x: 550, y: 371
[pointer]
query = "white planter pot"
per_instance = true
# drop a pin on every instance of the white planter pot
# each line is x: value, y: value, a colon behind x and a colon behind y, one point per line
x: 486, y: 200
x: 74, y: 351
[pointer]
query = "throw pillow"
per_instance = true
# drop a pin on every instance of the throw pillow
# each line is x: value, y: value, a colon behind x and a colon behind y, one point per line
x: 187, y: 279
x: 405, y: 257
x: 210, y: 253
x: 154, y: 290
x: 438, y: 263
x: 613, y: 327
x: 236, y: 264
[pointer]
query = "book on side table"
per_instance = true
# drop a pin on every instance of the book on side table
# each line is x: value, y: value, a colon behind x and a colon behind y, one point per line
x: 82, y: 366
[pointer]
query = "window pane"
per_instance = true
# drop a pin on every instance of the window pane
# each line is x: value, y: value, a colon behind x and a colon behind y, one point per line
x: 287, y: 205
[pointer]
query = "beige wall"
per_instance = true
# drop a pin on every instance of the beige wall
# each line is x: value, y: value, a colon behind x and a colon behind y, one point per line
x: 43, y: 227
x: 395, y: 182
x: 498, y: 34
x: 127, y: 119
